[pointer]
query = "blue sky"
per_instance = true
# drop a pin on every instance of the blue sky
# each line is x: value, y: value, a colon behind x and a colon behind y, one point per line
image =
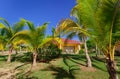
x: 37, y: 11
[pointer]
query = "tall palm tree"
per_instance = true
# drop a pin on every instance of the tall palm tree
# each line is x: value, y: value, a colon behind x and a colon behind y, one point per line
x: 7, y: 32
x: 35, y: 37
x: 102, y: 18
x: 72, y: 28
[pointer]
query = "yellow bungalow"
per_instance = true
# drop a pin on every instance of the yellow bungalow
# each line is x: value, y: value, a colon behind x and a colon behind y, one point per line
x: 69, y: 46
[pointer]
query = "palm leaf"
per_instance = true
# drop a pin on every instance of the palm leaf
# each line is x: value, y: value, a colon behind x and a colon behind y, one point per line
x: 21, y: 35
x: 30, y: 25
x: 19, y: 26
x: 47, y: 41
x: 5, y: 21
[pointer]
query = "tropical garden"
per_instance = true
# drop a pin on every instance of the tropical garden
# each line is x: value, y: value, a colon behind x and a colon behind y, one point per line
x: 32, y: 54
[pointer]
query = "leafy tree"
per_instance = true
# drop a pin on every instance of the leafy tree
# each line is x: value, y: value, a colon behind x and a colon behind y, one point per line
x: 7, y: 32
x: 71, y: 28
x: 34, y: 36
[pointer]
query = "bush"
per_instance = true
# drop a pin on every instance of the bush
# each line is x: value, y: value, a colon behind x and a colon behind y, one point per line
x: 27, y: 57
x: 81, y: 51
x: 45, y: 54
x: 48, y: 53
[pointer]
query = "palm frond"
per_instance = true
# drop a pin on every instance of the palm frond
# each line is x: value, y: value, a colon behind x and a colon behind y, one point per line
x: 19, y: 26
x: 71, y: 35
x: 21, y: 35
x: 30, y: 25
x: 5, y: 21
x: 69, y: 26
x: 65, y: 24
x: 2, y: 25
x: 84, y: 12
x: 42, y: 29
x: 48, y: 40
x: 109, y: 11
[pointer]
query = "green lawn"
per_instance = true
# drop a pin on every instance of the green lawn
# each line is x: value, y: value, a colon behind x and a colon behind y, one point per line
x: 66, y: 67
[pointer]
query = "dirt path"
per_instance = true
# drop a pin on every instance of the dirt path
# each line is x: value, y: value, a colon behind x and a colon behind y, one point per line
x: 7, y: 73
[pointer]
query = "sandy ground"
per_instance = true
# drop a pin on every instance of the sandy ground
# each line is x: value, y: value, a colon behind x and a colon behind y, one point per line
x: 7, y: 73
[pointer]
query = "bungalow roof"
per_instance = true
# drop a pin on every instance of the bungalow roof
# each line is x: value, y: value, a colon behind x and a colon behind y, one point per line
x: 69, y: 41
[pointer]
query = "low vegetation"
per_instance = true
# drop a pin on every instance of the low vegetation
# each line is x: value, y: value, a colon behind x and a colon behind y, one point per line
x: 65, y: 67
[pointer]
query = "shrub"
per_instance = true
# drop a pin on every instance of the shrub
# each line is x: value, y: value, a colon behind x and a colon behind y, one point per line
x: 81, y: 51
x: 49, y: 52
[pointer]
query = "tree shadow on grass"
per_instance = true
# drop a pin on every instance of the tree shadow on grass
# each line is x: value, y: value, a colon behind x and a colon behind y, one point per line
x: 98, y: 67
x: 99, y: 63
x: 24, y: 57
x: 21, y: 66
x: 24, y: 74
x: 3, y: 57
x: 98, y: 59
x: 95, y: 61
x: 77, y: 62
x: 61, y: 72
x: 73, y: 57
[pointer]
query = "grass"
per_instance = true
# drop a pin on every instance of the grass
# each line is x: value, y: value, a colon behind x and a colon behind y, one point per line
x: 66, y: 67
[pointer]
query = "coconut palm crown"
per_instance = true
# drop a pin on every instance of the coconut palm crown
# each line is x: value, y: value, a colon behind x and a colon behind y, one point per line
x: 7, y: 32
x: 34, y: 36
x: 102, y: 19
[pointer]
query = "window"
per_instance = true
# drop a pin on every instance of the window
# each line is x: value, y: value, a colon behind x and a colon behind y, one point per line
x: 69, y: 49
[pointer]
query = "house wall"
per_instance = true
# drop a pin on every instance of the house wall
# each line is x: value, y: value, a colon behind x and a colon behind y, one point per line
x: 1, y: 47
x: 76, y: 46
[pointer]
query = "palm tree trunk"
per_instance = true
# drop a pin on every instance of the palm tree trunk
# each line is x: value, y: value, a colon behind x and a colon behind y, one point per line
x: 2, y: 51
x: 111, y: 69
x: 34, y: 58
x: 96, y: 50
x: 89, y: 63
x: 20, y: 49
x: 9, y: 54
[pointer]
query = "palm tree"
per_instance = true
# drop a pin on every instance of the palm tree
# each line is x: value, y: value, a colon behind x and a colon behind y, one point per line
x: 35, y: 37
x: 72, y: 28
x: 102, y: 18
x: 7, y: 32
